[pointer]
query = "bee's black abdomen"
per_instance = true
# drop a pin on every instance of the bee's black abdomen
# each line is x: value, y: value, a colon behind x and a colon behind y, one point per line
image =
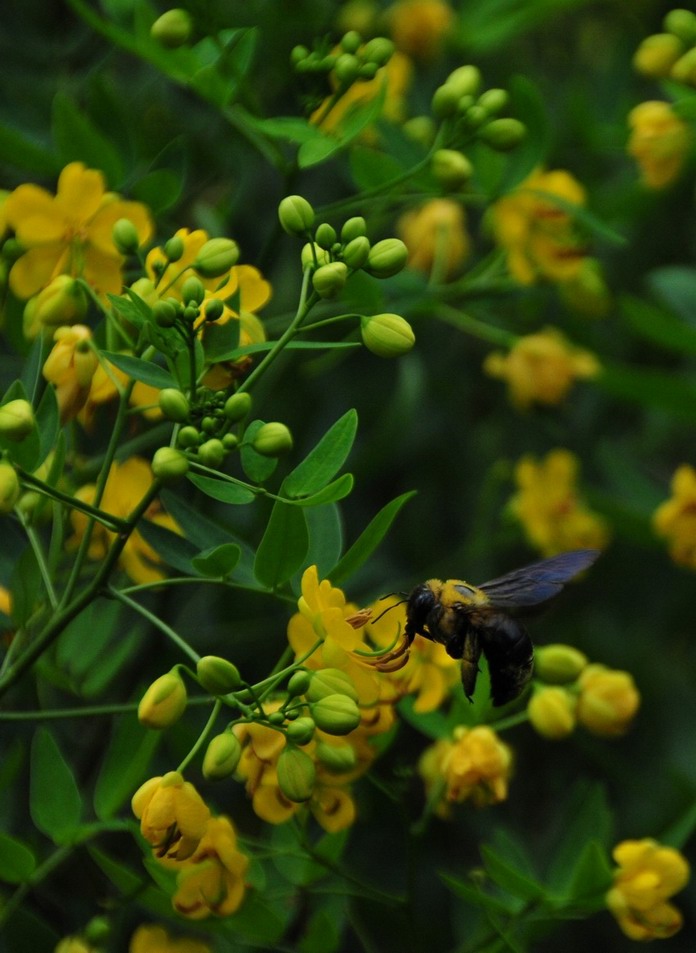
x: 510, y: 656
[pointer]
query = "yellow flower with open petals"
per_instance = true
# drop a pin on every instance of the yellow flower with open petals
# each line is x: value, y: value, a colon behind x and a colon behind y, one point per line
x: 70, y: 232
x: 173, y: 816
x: 152, y: 938
x: 70, y: 367
x: 211, y: 881
x: 419, y: 27
x: 436, y: 237
x: 474, y: 764
x: 675, y: 519
x: 659, y: 142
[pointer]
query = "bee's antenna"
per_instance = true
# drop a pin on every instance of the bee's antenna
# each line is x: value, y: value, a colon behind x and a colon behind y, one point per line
x: 399, y: 603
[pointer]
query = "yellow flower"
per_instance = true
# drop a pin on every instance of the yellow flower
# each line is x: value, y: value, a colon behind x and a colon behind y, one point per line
x: 126, y: 484
x: 475, y: 764
x: 675, y: 519
x: 419, y: 27
x: 151, y: 938
x: 659, y: 142
x: 436, y: 237
x: 648, y: 875
x: 211, y: 881
x: 549, y: 508
x: 608, y: 701
x: 551, y: 712
x: 541, y: 367
x: 536, y: 233
x: 173, y: 816
x: 71, y: 366
x: 70, y: 232
x: 104, y: 388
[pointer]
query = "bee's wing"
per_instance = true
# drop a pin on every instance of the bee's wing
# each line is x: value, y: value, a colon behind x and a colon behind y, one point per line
x: 534, y: 584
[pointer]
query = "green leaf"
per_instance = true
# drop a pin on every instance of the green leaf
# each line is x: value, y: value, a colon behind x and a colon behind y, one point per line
x: 221, y: 340
x: 290, y: 128
x: 26, y: 586
x: 18, y: 149
x: 325, y: 537
x: 125, y: 765
x: 681, y: 830
x: 17, y: 861
x: 319, y: 149
x: 94, y: 647
x: 222, y: 490
x: 130, y: 884
x: 590, y: 877
x: 480, y: 899
x: 131, y: 307
x: 331, y: 493
x: 175, y: 550
x: 657, y: 389
x: 657, y: 325
x: 325, y: 459
x: 302, y: 345
x: 77, y: 138
x: 159, y: 190
x: 257, y: 467
x: 586, y: 819
x: 510, y: 879
x: 283, y: 547
x: 139, y: 370
x: 675, y: 285
x: 217, y: 561
x: 54, y: 797
x: 369, y: 539
x: 48, y: 423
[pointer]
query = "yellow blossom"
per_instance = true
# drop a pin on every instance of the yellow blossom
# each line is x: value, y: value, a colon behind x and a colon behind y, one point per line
x: 551, y: 712
x: 541, y: 368
x: 436, y: 237
x: 173, y: 816
x: 74, y: 944
x: 675, y: 519
x: 659, y: 142
x: 548, y: 505
x: 152, y: 938
x: 211, y: 880
x: 70, y: 367
x: 419, y: 27
x: 126, y: 484
x: 536, y: 233
x: 648, y: 875
x: 70, y: 232
x: 475, y: 764
x: 104, y: 388
x: 608, y: 700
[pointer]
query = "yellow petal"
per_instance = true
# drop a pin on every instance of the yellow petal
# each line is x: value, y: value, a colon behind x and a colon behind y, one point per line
x: 80, y: 192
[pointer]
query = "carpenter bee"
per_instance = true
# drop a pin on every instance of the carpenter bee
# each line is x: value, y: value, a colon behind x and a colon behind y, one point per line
x: 469, y: 620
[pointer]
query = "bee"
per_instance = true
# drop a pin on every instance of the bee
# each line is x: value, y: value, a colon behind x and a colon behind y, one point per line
x: 469, y: 620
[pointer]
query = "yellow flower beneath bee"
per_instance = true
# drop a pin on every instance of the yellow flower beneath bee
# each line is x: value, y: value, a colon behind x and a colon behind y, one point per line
x: 675, y: 519
x: 474, y: 764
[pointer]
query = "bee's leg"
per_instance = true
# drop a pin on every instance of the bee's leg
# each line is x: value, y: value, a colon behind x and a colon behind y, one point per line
x: 471, y: 653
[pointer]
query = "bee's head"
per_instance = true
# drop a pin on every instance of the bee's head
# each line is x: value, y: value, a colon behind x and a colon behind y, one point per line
x: 421, y: 603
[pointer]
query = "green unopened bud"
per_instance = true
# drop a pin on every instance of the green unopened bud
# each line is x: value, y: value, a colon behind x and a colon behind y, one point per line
x: 336, y: 714
x: 173, y: 28
x: 464, y: 81
x: 387, y: 335
x: 272, y: 440
x: 164, y: 702
x: 657, y: 54
x: 452, y: 169
x: 330, y: 681
x: 682, y: 23
x: 378, y: 50
x: 211, y: 453
x: 237, y: 406
x: 493, y: 101
x: 169, y: 464
x: 216, y: 258
x: 420, y: 129
x: 188, y: 437
x: 174, y: 248
x: 213, y: 309
x: 296, y: 774
x: 325, y: 236
x: 192, y: 291
x: 347, y: 68
x: 301, y: 731
x: 165, y: 314
x: 551, y: 712
x: 356, y: 252
x: 684, y: 70
x: 276, y: 718
x: 353, y: 228
x: 337, y: 758
x: 314, y: 256
x: 475, y: 116
x: 558, y: 664
x: 350, y: 41
x: 230, y: 441
x: 217, y: 676
x: 12, y: 248
x: 296, y: 215
x: 125, y: 236
x: 387, y: 258
x: 221, y: 756
x: 16, y: 419
x: 63, y: 301
x: 503, y: 134
x: 445, y: 101
x: 298, y: 54
x: 299, y: 683
x: 329, y: 279
x: 174, y: 405
x: 10, y: 489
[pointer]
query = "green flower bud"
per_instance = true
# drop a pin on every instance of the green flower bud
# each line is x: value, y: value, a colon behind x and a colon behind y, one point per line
x: 301, y: 731
x: 10, y: 489
x: 657, y: 54
x: 192, y: 291
x: 188, y: 437
x: 296, y: 774
x: 210, y: 425
x: 420, y: 129
x: 368, y: 71
x: 27, y: 504
x: 298, y: 54
x: 452, y: 169
x: 337, y: 758
x: 296, y: 215
x: 165, y: 314
x: 330, y: 681
x: 164, y: 702
x: 325, y: 236
x: 16, y: 420
x: 347, y: 68
x: 217, y: 676
x: 211, y: 453
x: 493, y: 101
x: 353, y: 228
x: 222, y: 756
x: 169, y: 464
x: 465, y: 80
x: 272, y: 440
x: 350, y: 42
x: 329, y: 279
x: 214, y: 309
x: 237, y: 407
x: 387, y: 335
x: 216, y: 258
x: 63, y: 301
x: 475, y: 116
x: 307, y: 256
x: 464, y: 104
x: 230, y: 441
x: 445, y: 101
x: 387, y: 258
x: 336, y: 714
x: 174, y: 405
x: 174, y: 248
x: 356, y: 252
x: 299, y: 683
x: 125, y: 237
x: 378, y: 50
x: 276, y: 718
x: 684, y: 70
x: 503, y: 134
x: 682, y: 23
x: 12, y: 249
x: 558, y: 664
x: 173, y: 28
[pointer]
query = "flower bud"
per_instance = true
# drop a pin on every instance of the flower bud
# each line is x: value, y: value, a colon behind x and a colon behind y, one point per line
x: 387, y: 335
x: 213, y: 309
x: 325, y: 236
x: 174, y: 248
x: 312, y: 256
x: 9, y: 488
x: 296, y: 215
x: 216, y: 258
x: 420, y: 129
x: 354, y: 227
x: 558, y: 664
x: 165, y: 314
x: 452, y: 169
x: 188, y: 437
x: 657, y: 54
x: 337, y: 758
x: 552, y: 712
x: 298, y: 683
x: 124, y: 235
x: 684, y: 70
x: 329, y: 279
x: 350, y: 41
x: 465, y: 80
x: 347, y: 68
x: 493, y: 101
x: 298, y: 54
x: 16, y: 420
x: 608, y: 701
x: 164, y: 702
x: 237, y: 407
x: 387, y: 258
x: 63, y: 301
x: 272, y: 440
x: 378, y: 50
x: 173, y: 28
x: 682, y: 23
x: 356, y: 252
x: 230, y: 441
x: 301, y: 731
x: 192, y: 291
x: 174, y: 405
x: 503, y: 134
x: 222, y: 756
x: 217, y: 676
x: 445, y: 101
x: 330, y: 681
x: 169, y: 464
x: 336, y: 714
x: 211, y: 453
x: 296, y: 774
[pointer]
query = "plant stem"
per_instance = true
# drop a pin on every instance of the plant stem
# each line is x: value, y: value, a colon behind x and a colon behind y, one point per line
x: 155, y: 621
x: 202, y: 737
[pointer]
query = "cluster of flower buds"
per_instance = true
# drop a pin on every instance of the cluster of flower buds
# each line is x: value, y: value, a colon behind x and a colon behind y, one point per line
x: 476, y: 114
x: 672, y: 54
x: 351, y: 60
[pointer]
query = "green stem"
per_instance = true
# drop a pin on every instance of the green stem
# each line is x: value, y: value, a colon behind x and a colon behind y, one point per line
x: 112, y: 523
x: 89, y: 711
x: 268, y: 684
x: 154, y: 621
x: 37, y: 548
x: 474, y: 327
x: 202, y: 737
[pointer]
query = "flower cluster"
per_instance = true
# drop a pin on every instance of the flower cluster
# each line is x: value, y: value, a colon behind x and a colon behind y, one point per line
x: 672, y: 54
x: 675, y: 519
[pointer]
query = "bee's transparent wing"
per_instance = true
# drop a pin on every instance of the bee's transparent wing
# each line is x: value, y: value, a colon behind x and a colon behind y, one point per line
x: 534, y: 584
